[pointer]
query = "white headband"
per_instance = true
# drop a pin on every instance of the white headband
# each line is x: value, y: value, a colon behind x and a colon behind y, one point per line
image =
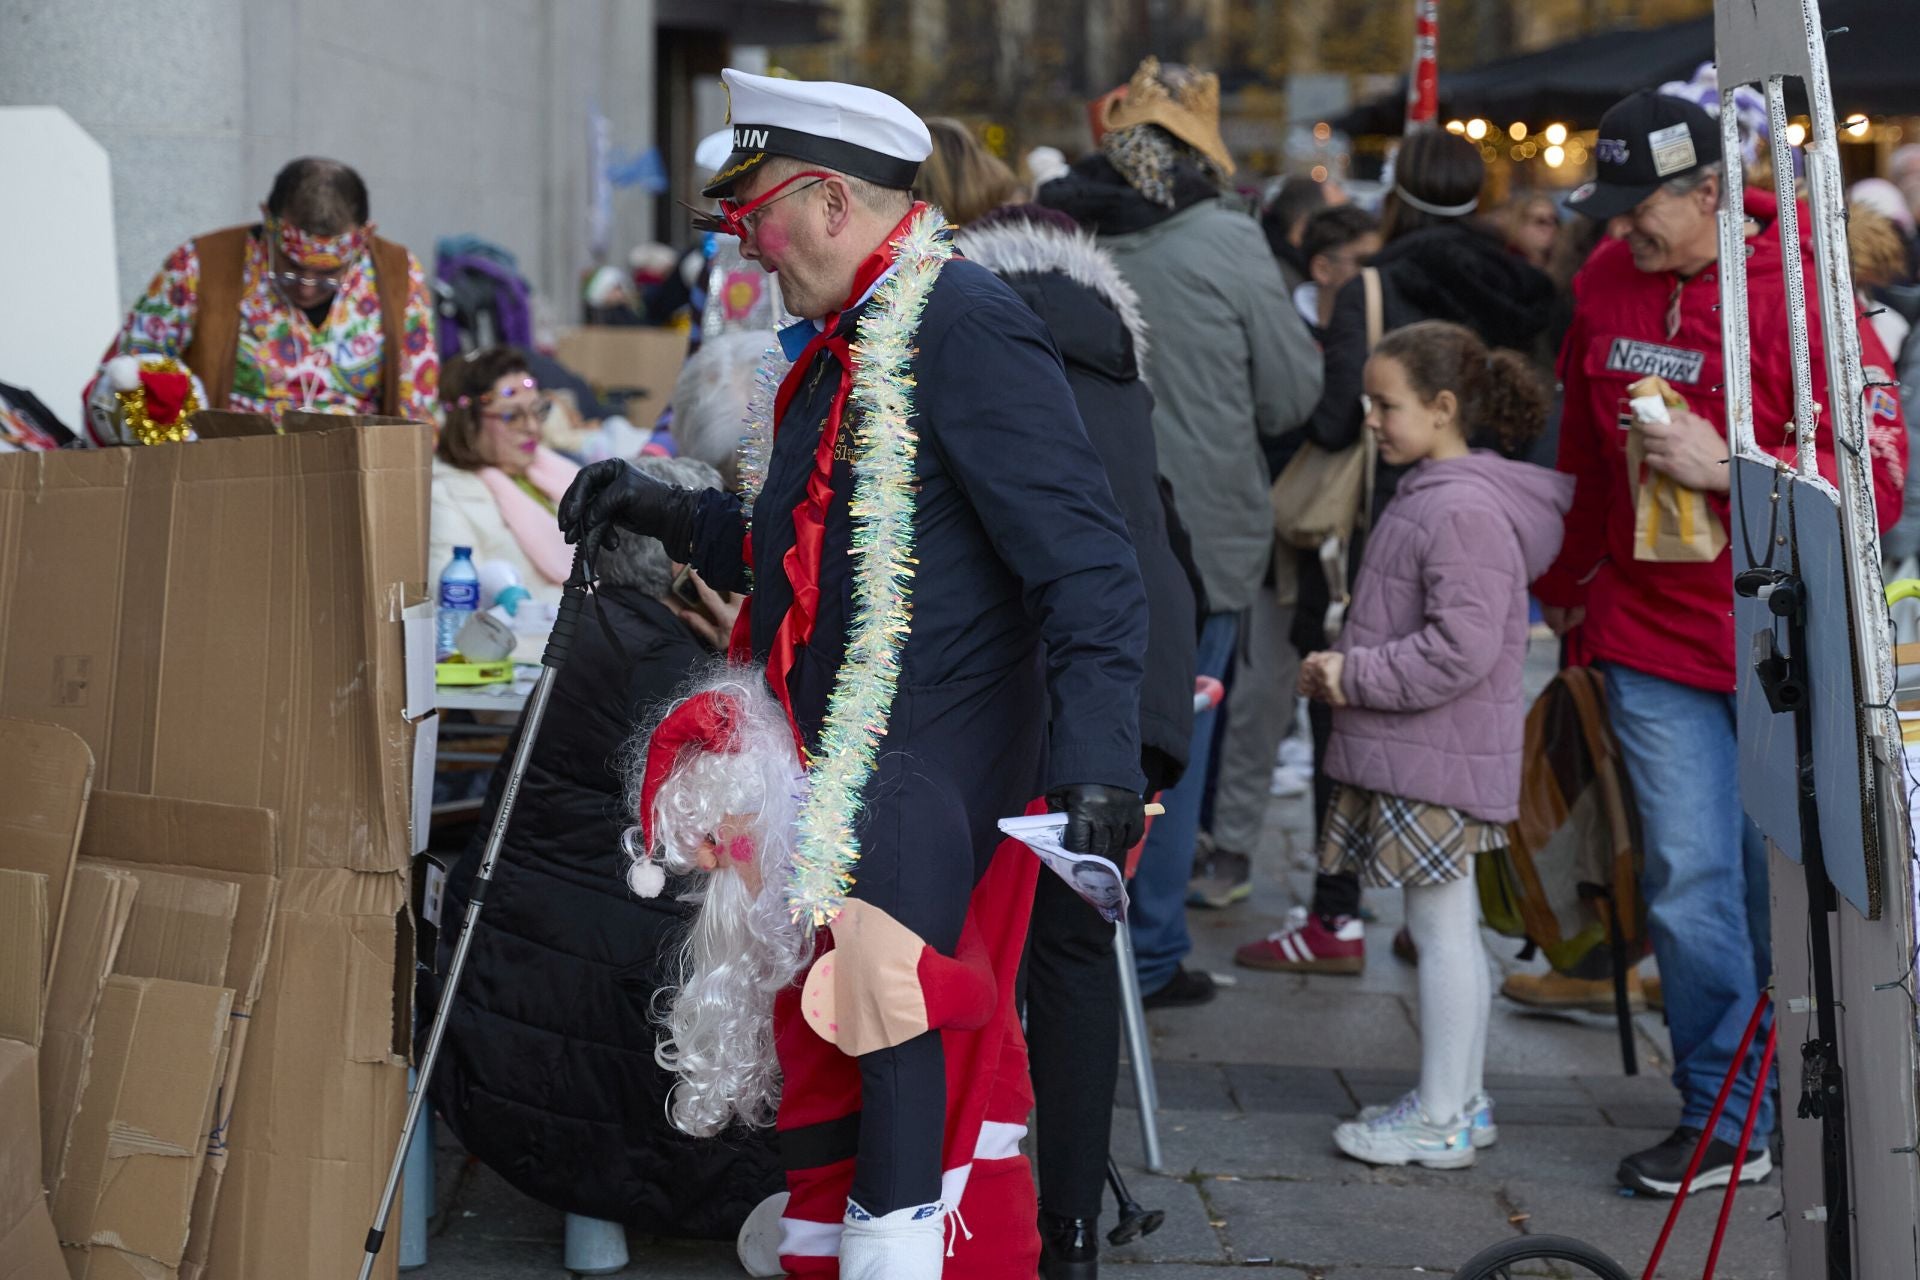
x: 1437, y: 210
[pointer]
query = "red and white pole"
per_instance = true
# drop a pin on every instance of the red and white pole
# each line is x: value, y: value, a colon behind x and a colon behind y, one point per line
x: 1423, y: 82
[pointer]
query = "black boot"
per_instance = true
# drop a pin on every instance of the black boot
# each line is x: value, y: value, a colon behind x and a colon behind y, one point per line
x: 1069, y: 1248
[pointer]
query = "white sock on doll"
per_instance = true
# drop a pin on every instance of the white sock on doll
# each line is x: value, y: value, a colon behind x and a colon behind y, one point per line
x: 1455, y: 994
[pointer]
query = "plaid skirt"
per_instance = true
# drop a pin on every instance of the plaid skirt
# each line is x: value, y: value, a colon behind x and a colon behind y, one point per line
x: 1390, y: 842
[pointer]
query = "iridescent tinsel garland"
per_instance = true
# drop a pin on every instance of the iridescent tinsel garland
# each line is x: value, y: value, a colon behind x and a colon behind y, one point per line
x: 756, y: 443
x: 882, y: 508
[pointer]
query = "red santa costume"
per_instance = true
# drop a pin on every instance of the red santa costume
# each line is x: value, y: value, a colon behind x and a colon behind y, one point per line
x: 716, y: 795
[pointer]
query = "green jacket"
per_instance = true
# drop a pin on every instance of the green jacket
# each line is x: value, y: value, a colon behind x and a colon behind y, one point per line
x: 1231, y: 362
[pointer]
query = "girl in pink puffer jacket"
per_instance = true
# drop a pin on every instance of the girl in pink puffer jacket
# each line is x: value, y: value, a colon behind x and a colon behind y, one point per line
x: 1429, y: 711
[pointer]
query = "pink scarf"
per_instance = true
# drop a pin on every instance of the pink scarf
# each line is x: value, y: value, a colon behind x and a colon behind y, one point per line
x: 532, y: 525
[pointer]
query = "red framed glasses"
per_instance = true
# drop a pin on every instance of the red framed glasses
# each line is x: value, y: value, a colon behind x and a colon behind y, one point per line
x: 739, y: 220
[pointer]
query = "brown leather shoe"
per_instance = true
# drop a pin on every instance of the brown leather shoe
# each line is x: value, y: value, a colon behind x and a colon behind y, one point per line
x: 1555, y: 991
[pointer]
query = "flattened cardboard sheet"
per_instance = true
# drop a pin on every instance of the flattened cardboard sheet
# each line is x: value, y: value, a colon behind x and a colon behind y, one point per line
x: 98, y: 907
x: 23, y: 940
x: 181, y: 929
x: 28, y: 1247
x: 46, y: 773
x: 224, y: 845
x: 139, y: 1138
x: 323, y: 1088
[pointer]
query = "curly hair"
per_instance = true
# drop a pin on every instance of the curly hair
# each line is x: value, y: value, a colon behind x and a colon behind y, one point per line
x: 1503, y: 402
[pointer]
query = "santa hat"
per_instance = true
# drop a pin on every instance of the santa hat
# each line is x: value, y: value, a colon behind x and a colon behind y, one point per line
x: 155, y: 395
x: 707, y: 721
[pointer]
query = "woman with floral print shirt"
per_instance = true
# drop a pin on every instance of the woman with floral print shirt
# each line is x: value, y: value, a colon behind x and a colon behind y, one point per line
x: 290, y: 313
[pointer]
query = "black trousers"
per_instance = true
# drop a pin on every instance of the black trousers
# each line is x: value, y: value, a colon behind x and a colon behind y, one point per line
x: 1073, y: 1045
x: 1333, y: 895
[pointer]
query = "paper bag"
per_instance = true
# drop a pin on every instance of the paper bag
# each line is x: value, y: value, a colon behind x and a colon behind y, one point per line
x: 1671, y: 522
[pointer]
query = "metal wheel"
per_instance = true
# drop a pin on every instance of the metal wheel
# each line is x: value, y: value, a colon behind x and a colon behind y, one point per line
x: 1497, y: 1263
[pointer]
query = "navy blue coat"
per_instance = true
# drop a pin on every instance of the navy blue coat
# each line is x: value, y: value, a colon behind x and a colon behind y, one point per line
x: 1023, y: 668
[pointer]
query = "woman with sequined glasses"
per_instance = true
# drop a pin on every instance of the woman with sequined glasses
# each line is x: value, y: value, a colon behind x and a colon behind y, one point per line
x: 495, y: 484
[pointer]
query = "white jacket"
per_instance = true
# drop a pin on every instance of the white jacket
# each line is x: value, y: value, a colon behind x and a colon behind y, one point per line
x: 465, y: 515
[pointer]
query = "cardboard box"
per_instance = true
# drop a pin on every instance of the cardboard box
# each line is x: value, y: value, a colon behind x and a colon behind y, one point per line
x: 49, y: 773
x: 221, y: 622
x: 98, y: 907
x: 626, y: 359
x: 264, y: 578
x: 226, y: 424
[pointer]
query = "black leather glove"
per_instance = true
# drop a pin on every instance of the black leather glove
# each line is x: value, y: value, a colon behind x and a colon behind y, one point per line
x: 1100, y: 819
x: 610, y: 496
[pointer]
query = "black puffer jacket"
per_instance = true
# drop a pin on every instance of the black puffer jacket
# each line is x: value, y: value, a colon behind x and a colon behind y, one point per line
x: 548, y: 1073
x: 1457, y: 271
x: 1095, y: 321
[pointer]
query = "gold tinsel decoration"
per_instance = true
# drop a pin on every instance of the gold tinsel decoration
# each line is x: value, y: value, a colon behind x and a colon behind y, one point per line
x: 133, y: 407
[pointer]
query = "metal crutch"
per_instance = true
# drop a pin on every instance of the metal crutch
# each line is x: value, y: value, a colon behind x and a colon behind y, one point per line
x: 1146, y: 1092
x: 1207, y: 695
x: 572, y: 606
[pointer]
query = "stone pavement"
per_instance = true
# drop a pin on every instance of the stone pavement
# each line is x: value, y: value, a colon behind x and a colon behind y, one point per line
x: 1250, y: 1089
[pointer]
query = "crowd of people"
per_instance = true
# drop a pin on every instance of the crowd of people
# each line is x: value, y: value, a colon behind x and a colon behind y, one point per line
x: 1015, y: 561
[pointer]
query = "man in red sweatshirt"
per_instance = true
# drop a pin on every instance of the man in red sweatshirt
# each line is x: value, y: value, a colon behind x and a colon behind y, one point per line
x: 1662, y: 629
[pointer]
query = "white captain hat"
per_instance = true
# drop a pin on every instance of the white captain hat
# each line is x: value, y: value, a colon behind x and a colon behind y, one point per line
x: 849, y: 128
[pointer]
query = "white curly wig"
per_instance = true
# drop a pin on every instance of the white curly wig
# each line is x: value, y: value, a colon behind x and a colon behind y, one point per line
x: 744, y: 947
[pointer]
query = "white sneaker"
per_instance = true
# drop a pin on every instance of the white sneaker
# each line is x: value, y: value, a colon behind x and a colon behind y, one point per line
x: 1405, y: 1135
x: 1297, y: 751
x: 1484, y: 1131
x: 758, y: 1243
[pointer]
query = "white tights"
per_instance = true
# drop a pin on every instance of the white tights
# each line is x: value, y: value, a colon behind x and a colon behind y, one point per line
x: 1456, y: 994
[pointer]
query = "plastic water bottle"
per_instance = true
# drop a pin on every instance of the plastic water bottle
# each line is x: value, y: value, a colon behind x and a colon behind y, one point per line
x: 459, y: 600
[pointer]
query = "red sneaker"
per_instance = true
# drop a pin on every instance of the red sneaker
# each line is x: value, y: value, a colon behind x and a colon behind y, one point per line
x: 1307, y: 945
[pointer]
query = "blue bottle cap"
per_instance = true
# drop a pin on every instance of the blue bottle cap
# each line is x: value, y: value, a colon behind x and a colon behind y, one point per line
x: 463, y: 553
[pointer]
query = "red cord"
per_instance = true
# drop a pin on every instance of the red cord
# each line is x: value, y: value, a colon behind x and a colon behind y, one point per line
x: 1713, y: 1119
x: 1740, y: 1156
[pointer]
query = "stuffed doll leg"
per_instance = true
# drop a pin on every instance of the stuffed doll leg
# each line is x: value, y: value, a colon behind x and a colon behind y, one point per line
x: 882, y: 986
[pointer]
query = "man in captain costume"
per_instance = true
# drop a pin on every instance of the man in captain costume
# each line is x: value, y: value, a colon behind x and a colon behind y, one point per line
x: 950, y: 614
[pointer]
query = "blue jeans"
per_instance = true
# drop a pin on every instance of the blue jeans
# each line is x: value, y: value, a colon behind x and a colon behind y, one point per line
x: 1158, y: 912
x: 1705, y: 883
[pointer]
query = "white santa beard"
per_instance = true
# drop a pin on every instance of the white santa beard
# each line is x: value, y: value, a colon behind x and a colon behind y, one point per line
x: 741, y: 951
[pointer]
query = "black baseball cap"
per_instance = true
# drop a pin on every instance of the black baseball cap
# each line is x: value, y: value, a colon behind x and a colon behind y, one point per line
x: 1645, y: 142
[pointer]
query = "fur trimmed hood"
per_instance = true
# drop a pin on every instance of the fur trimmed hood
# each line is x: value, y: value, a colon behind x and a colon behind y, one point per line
x: 1016, y: 247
